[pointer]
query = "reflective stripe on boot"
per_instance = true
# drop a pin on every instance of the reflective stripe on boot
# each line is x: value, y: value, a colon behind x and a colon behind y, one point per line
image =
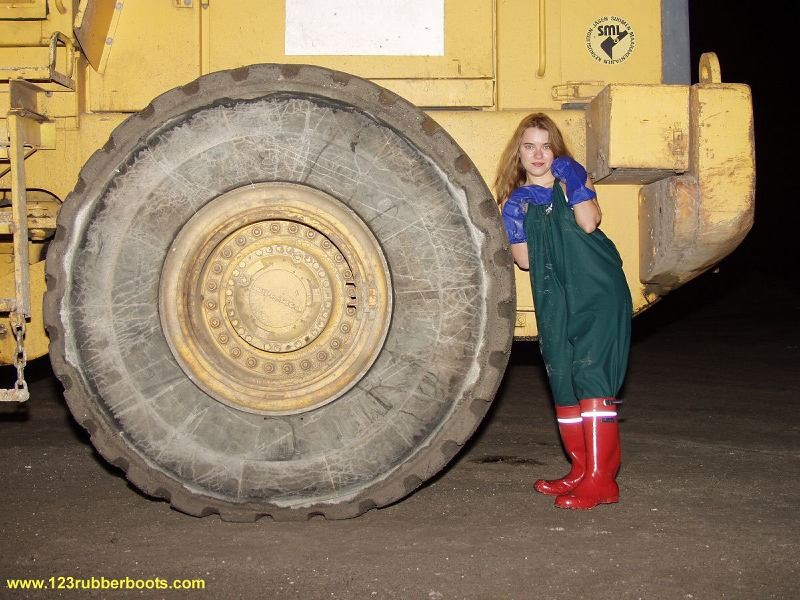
x: 601, y: 437
x: 570, y: 426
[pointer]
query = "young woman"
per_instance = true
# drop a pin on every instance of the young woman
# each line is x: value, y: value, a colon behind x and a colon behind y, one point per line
x: 583, y: 305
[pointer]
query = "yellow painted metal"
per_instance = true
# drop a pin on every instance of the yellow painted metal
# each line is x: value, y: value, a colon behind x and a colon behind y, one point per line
x: 24, y: 124
x: 275, y: 298
x: 517, y: 84
x: 57, y: 170
x: 24, y: 131
x: 95, y: 27
x: 162, y: 40
x: 23, y: 9
x: 722, y: 157
x: 22, y: 62
x: 638, y: 21
x: 41, y: 220
x: 210, y: 36
x: 505, y: 57
x: 540, y: 72
x: 52, y: 64
x: 205, y: 36
x: 688, y: 223
x: 21, y: 286
x: 619, y: 206
x: 478, y: 93
x: 710, y: 71
x: 577, y: 91
x: 35, y: 132
x: 53, y: 105
x: 16, y: 34
x: 238, y: 38
x: 36, y: 340
x: 638, y: 133
x: 524, y: 82
x: 19, y: 212
x: 34, y: 31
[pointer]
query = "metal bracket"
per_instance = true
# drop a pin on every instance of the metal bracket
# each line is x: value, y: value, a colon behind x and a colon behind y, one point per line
x: 577, y: 90
x: 63, y: 79
x: 44, y: 66
x: 24, y: 130
x: 710, y: 71
x: 540, y: 71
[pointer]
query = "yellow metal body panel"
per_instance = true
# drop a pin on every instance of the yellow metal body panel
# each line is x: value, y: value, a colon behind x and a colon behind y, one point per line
x: 477, y: 93
x: 179, y: 44
x: 688, y: 222
x: 36, y: 340
x: 23, y: 9
x: 528, y: 77
x: 95, y: 26
x: 247, y: 35
x: 638, y: 133
x: 161, y: 40
x: 635, y: 58
x: 656, y: 149
x: 52, y: 105
x: 33, y: 30
x: 57, y: 170
x: 52, y: 65
x: 518, y: 31
x: 722, y: 157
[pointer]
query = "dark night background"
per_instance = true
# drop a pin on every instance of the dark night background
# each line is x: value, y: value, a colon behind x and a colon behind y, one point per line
x: 757, y: 285
x: 753, y: 46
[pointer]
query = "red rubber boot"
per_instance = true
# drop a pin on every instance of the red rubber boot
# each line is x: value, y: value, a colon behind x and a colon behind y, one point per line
x: 570, y: 426
x: 601, y: 437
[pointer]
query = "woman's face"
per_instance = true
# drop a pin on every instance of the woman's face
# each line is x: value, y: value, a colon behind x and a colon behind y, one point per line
x: 536, y: 156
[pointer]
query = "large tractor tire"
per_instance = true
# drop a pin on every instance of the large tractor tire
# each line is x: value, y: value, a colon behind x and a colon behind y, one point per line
x: 279, y: 290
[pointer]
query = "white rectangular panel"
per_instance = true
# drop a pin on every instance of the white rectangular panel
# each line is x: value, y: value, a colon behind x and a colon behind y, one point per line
x: 365, y: 27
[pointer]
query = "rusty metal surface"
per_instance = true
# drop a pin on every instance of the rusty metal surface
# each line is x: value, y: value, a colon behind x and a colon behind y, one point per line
x: 688, y: 223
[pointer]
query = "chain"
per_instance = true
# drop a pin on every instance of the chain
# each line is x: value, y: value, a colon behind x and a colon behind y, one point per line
x: 21, y: 356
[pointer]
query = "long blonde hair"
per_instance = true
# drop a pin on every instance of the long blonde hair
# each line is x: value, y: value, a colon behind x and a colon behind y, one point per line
x: 510, y: 172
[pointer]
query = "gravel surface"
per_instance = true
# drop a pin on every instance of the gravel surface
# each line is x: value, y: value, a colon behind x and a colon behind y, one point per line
x: 709, y: 484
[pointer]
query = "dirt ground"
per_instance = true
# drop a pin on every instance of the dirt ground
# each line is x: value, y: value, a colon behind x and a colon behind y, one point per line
x: 710, y: 481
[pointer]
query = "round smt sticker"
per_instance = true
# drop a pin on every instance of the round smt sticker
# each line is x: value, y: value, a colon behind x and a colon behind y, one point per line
x: 610, y: 40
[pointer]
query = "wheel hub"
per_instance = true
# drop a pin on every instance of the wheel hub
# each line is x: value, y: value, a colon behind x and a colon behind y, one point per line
x: 278, y: 294
x: 275, y: 298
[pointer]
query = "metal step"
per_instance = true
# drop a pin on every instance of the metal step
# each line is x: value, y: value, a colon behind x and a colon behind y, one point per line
x: 14, y: 395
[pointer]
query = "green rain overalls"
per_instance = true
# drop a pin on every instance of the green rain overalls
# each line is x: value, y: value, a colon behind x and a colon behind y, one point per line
x: 583, y: 305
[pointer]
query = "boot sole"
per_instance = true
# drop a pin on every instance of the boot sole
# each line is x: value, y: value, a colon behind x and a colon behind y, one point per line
x: 553, y: 492
x: 607, y: 500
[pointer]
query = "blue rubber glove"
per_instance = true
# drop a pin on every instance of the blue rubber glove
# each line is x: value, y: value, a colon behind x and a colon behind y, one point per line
x: 533, y: 194
x: 573, y: 174
x: 514, y: 219
x: 514, y: 210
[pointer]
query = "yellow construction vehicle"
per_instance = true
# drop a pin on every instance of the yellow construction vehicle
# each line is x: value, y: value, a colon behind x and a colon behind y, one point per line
x: 256, y: 237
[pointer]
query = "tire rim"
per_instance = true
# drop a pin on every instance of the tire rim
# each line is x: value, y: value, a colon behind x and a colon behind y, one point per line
x: 274, y: 298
